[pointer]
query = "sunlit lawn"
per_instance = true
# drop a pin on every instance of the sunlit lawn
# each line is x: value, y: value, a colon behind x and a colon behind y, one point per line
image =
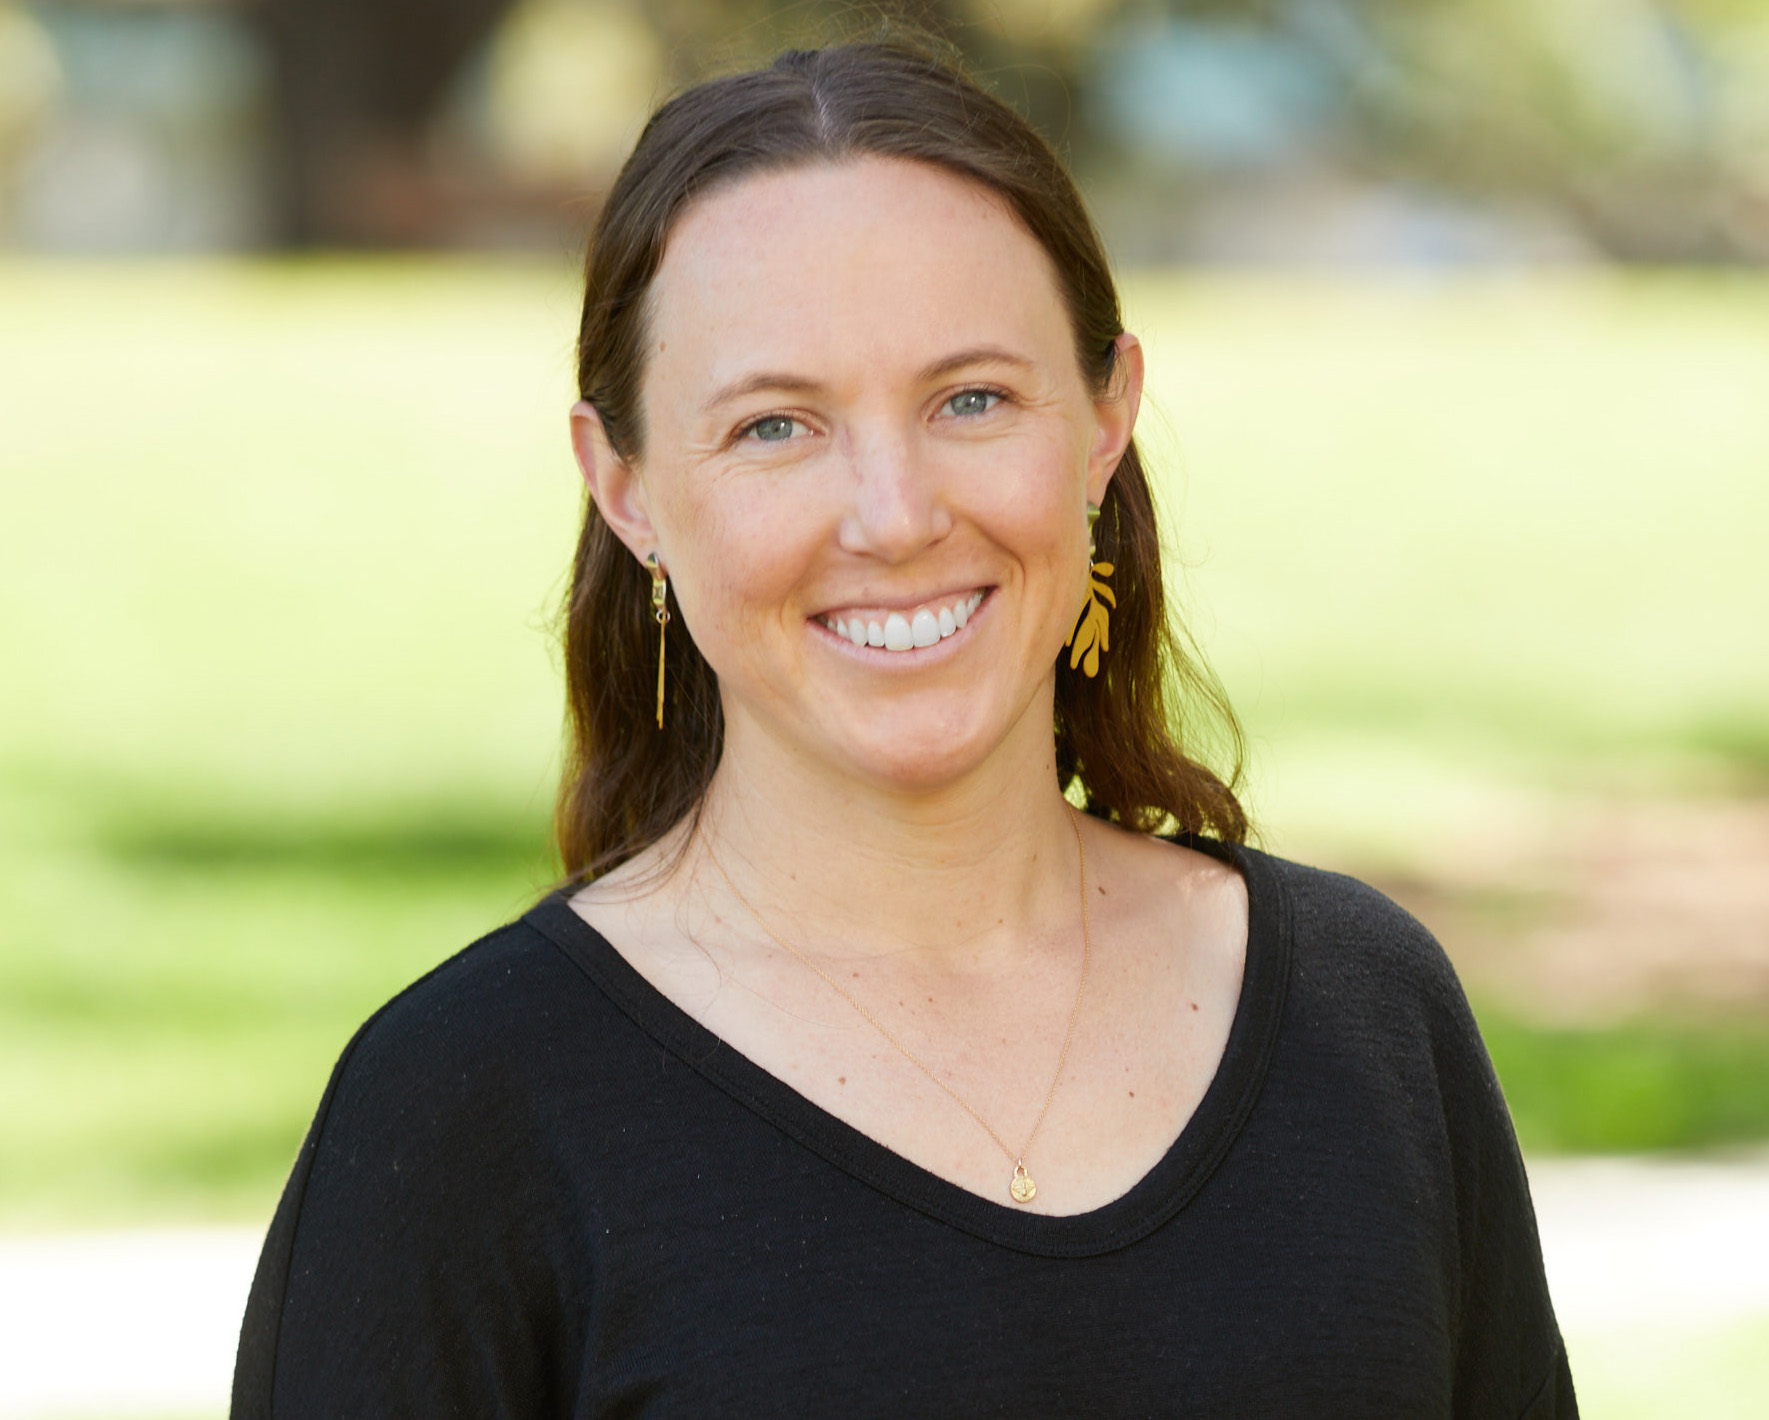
x: 1651, y: 1372
x: 279, y: 547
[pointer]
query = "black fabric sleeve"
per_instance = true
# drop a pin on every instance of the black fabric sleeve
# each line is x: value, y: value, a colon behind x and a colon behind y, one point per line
x: 1509, y: 1356
x: 254, y: 1372
x: 1555, y: 1400
x: 411, y: 1270
x: 1398, y: 992
x: 1508, y: 1341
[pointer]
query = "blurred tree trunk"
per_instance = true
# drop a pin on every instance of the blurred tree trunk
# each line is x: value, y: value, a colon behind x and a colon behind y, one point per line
x: 357, y: 83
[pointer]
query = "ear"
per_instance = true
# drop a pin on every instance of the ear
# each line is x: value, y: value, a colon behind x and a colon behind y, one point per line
x: 613, y: 483
x: 1114, y: 412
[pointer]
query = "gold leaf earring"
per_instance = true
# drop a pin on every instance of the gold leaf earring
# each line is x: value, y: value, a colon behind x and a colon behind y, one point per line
x: 660, y: 586
x: 1092, y: 633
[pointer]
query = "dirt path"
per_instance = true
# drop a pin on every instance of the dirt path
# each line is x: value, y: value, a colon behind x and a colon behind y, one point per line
x: 1608, y: 909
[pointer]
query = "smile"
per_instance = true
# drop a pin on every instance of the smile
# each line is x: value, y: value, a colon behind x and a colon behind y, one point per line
x: 899, y: 631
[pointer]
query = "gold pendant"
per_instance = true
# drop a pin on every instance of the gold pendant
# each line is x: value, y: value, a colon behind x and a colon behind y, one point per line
x: 1022, y: 1189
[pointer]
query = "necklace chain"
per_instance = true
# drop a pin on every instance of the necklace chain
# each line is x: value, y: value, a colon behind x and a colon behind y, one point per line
x: 1022, y: 1189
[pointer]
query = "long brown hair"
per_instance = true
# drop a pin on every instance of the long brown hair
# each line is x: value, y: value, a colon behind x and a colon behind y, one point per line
x: 1118, y: 739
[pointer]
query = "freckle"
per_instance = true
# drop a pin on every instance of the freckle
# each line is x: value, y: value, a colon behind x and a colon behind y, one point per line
x: 1194, y: 1005
x: 1133, y: 1094
x: 841, y: 1079
x: 855, y: 975
x: 930, y: 1000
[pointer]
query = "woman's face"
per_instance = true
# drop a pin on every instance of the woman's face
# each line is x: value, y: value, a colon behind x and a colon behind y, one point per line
x: 864, y: 422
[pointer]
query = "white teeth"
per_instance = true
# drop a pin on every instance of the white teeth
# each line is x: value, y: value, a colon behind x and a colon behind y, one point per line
x: 927, y: 627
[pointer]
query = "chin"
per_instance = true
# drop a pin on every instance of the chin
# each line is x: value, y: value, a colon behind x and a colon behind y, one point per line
x: 913, y: 757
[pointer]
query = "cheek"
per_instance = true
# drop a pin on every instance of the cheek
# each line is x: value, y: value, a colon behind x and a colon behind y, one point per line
x: 1031, y: 502
x: 740, y: 553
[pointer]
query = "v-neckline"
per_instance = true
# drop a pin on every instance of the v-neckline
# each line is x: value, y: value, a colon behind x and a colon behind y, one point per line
x: 1159, y: 1194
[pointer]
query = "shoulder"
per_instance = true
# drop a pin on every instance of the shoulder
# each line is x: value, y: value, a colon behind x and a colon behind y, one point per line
x: 425, y: 1235
x: 1378, y: 1045
x: 1160, y: 887
x: 444, y: 1112
x: 1353, y: 938
x: 481, y: 1005
x: 477, y: 1045
x: 1366, y: 978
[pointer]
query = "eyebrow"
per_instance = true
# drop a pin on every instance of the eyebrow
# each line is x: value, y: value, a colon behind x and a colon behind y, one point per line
x: 945, y: 365
x: 976, y: 355
x: 762, y: 380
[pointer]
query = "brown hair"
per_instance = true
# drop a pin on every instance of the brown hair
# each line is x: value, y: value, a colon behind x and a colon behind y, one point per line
x: 1118, y: 741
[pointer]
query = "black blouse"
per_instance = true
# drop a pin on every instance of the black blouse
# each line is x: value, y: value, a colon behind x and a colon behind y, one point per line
x: 536, y: 1187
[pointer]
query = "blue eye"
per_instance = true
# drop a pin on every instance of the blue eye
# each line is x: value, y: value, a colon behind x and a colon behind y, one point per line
x: 970, y: 403
x: 774, y: 429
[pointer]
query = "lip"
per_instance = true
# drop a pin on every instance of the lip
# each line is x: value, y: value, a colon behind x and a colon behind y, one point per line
x: 905, y: 607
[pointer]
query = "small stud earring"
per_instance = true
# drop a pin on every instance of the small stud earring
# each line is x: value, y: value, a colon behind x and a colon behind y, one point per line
x: 1092, y: 633
x: 660, y: 610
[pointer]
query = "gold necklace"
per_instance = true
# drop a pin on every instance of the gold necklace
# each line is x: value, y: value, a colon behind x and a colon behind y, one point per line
x: 1021, y: 1188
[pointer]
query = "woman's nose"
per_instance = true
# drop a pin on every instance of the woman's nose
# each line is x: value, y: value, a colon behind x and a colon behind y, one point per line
x: 897, y: 507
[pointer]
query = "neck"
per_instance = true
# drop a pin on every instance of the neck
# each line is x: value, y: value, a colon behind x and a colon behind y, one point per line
x: 957, y: 878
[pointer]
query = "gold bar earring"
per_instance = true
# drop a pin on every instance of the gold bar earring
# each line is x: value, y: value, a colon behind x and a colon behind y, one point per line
x: 660, y: 609
x: 1092, y: 633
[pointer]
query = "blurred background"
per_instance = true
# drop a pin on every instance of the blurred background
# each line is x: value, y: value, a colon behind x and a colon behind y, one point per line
x: 1458, y: 330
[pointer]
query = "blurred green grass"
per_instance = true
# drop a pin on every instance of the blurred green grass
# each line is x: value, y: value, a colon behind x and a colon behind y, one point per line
x: 1506, y: 509
x: 279, y: 719
x: 1640, y: 1085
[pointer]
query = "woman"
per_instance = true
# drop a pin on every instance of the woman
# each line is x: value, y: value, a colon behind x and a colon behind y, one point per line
x: 855, y: 1071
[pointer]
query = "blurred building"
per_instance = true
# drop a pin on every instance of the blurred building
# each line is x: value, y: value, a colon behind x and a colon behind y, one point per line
x: 1340, y: 131
x: 130, y: 128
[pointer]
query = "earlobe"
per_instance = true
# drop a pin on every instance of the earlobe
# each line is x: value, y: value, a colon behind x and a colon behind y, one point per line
x: 613, y: 484
x: 1115, y: 414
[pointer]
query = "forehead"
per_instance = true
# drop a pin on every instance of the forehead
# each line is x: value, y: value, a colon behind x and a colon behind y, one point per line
x: 849, y: 267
